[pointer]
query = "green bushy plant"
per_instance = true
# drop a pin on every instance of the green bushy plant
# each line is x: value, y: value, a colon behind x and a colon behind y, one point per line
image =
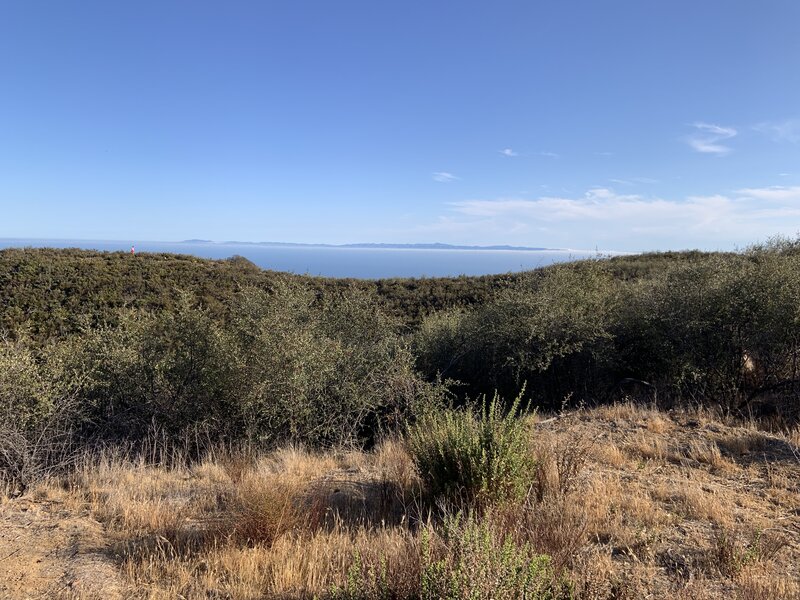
x: 720, y: 330
x: 549, y: 329
x: 171, y: 370
x: 467, y: 558
x: 328, y: 371
x: 37, y: 414
x: 26, y: 395
x: 474, y: 456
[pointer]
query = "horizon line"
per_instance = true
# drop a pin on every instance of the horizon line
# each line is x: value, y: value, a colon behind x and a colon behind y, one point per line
x: 356, y: 245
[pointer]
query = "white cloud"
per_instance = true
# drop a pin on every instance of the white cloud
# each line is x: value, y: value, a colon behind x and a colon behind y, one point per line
x: 508, y: 152
x: 776, y: 193
x: 602, y: 217
x: 781, y: 131
x: 707, y: 136
x: 443, y: 177
x: 549, y: 154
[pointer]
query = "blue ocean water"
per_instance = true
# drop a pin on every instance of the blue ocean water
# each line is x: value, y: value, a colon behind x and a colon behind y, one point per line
x: 361, y: 263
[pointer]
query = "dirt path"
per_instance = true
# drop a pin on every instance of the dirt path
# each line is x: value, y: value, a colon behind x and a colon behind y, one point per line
x: 47, y: 551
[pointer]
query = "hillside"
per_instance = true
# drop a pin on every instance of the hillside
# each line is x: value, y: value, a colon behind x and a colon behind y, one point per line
x: 628, y: 501
x: 56, y: 292
x: 616, y: 429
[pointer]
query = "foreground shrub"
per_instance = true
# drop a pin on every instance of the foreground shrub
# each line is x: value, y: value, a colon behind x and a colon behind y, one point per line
x: 480, y: 457
x: 289, y: 366
x: 468, y: 558
x: 37, y: 415
x: 172, y: 371
x: 267, y: 507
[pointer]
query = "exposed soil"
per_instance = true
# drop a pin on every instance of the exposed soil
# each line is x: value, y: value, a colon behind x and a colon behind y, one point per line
x: 49, y: 551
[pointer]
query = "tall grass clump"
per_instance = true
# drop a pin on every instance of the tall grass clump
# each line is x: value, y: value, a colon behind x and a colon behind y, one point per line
x: 473, y: 456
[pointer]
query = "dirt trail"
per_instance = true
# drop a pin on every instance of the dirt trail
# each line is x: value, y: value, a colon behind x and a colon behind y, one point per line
x: 47, y: 551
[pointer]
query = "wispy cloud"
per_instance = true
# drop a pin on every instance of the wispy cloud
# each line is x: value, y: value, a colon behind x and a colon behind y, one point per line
x: 549, y: 154
x: 707, y: 138
x: 781, y: 131
x: 776, y: 193
x: 634, y: 181
x: 444, y: 177
x: 508, y: 152
x: 604, y: 217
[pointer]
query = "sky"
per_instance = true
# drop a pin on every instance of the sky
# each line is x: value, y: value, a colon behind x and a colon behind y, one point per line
x: 611, y: 124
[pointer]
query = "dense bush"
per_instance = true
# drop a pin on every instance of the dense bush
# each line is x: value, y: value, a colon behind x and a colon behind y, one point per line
x: 171, y: 370
x: 55, y: 293
x: 549, y: 330
x: 717, y: 331
x: 111, y: 346
x: 286, y: 366
x: 476, y: 456
x: 721, y: 330
x: 26, y: 393
x: 329, y: 372
x: 37, y: 414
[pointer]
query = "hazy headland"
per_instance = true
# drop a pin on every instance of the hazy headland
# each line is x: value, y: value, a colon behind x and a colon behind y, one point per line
x: 362, y: 261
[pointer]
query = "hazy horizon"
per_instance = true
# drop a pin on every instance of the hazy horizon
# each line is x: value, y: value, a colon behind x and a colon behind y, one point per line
x: 361, y: 262
x: 7, y: 242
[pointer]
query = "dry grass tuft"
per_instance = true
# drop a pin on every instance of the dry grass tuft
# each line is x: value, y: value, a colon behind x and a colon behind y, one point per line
x: 694, y: 502
x: 624, y: 503
x: 708, y: 452
x: 267, y: 506
x: 743, y: 442
x: 559, y: 460
x: 757, y: 583
x: 649, y: 447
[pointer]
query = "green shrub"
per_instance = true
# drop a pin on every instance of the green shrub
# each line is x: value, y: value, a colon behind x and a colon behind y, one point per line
x: 549, y: 330
x: 329, y: 373
x: 720, y: 330
x: 470, y: 456
x: 468, y: 558
x: 172, y: 371
x: 26, y: 396
x: 37, y: 415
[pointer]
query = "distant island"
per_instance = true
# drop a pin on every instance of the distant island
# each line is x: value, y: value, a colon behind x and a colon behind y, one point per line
x: 432, y: 246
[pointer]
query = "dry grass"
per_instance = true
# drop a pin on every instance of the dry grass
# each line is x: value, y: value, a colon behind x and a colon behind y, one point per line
x: 627, y: 502
x: 743, y: 443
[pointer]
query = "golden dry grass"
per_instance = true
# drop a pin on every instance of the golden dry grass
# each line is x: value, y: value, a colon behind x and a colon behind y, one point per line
x: 629, y: 503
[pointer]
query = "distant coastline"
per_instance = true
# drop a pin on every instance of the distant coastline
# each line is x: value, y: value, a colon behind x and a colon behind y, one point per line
x: 361, y: 261
x: 378, y: 246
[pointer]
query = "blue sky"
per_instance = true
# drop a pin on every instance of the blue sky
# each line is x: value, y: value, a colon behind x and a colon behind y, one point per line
x: 627, y: 125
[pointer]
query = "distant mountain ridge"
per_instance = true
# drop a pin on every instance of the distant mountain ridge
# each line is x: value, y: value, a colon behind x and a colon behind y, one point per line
x: 432, y: 246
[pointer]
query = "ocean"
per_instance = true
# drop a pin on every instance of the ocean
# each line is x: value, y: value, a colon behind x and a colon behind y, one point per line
x: 360, y: 263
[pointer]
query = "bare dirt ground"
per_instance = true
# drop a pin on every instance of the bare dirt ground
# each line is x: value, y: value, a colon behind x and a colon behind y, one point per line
x: 49, y: 551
